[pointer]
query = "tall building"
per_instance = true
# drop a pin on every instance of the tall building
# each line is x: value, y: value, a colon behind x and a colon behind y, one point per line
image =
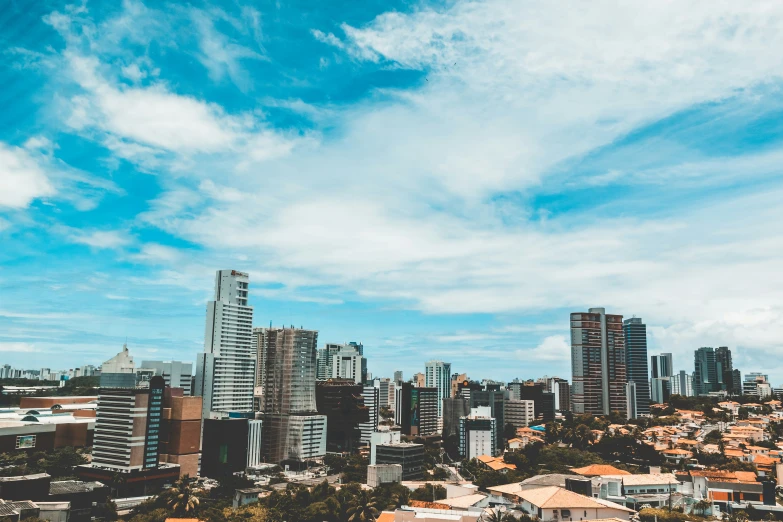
x: 726, y: 369
x: 661, y: 388
x: 631, y: 401
x: 635, y: 332
x: 519, y: 413
x: 176, y: 374
x: 418, y: 380
x: 292, y: 429
x: 598, y: 363
x: 706, y: 375
x: 661, y: 365
x: 372, y: 401
x: 342, y: 402
x: 128, y: 432
x: 416, y: 411
x: 478, y: 434
x: 736, y: 382
x: 562, y: 391
x: 544, y: 401
x: 682, y: 384
x: 496, y: 402
x: 453, y: 409
x: 398, y: 377
x: 386, y: 391
x: 225, y: 372
x: 437, y: 374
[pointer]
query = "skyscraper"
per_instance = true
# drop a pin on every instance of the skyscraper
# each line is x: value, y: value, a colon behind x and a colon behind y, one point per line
x: 225, y: 372
x: 437, y: 374
x: 661, y: 366
x: 705, y: 373
x: 726, y: 369
x: 636, y: 363
x: 682, y: 384
x: 598, y: 363
x: 292, y: 430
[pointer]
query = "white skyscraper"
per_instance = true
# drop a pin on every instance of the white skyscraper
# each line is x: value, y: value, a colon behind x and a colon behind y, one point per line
x: 176, y: 374
x: 225, y: 372
x: 437, y: 374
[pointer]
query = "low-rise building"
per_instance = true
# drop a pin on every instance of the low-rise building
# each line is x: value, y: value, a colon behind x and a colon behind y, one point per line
x: 408, y: 455
x: 553, y: 503
x: 379, y: 474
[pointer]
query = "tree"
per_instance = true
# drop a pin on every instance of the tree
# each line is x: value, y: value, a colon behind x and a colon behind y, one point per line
x: 496, y: 515
x: 429, y: 493
x: 362, y: 509
x: 553, y: 433
x: 701, y: 507
x: 181, y: 498
x: 509, y: 432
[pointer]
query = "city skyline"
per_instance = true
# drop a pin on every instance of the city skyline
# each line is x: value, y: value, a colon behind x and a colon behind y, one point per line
x: 417, y: 177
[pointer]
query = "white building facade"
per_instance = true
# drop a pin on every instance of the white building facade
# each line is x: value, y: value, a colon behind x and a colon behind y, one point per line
x: 437, y: 374
x: 225, y: 371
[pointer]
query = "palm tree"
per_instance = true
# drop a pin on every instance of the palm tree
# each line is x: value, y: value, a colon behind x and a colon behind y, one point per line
x: 496, y: 515
x: 362, y: 509
x: 181, y: 498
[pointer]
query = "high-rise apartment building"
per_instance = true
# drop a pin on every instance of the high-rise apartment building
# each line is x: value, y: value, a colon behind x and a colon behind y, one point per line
x: 416, y: 410
x: 386, y: 390
x: 682, y: 384
x: 419, y: 380
x: 707, y: 374
x: 635, y: 332
x: 292, y: 430
x: 519, y: 413
x: 437, y: 374
x: 342, y: 402
x: 398, y: 377
x: 372, y: 401
x: 562, y: 392
x: 225, y: 372
x: 176, y: 374
x: 661, y: 388
x: 598, y: 363
x: 661, y: 365
x: 478, y: 434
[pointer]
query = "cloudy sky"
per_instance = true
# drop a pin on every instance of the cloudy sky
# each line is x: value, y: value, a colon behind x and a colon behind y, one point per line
x: 436, y: 179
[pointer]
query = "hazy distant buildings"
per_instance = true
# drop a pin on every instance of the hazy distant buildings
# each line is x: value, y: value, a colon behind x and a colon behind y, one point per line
x: 176, y: 374
x: 635, y: 332
x: 682, y: 384
x: 562, y: 392
x: 342, y: 361
x: 438, y: 375
x: 661, y: 388
x: 756, y: 384
x: 225, y: 371
x: 598, y: 363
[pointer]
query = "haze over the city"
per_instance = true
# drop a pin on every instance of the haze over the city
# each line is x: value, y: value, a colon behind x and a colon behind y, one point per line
x: 438, y: 180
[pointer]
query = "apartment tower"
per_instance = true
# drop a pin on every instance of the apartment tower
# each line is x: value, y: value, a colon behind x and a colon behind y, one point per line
x: 437, y: 375
x: 598, y: 384
x: 225, y: 372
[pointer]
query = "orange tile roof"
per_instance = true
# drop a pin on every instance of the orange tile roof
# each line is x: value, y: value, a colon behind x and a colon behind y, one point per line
x: 427, y: 505
x: 599, y: 469
x: 386, y: 516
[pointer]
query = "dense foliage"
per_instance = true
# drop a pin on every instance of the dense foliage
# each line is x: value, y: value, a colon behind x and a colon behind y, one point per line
x: 59, y: 463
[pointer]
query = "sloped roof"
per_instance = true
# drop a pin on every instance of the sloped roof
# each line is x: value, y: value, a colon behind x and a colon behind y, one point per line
x: 599, y: 469
x: 554, y: 497
x: 464, y: 501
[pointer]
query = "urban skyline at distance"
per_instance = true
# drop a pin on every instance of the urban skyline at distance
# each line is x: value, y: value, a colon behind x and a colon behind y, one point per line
x: 435, y: 195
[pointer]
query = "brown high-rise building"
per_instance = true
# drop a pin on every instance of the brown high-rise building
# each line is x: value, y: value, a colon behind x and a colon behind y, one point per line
x: 598, y: 363
x: 180, y: 430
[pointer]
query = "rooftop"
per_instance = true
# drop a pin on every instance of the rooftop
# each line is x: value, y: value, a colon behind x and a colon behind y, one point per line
x: 599, y: 469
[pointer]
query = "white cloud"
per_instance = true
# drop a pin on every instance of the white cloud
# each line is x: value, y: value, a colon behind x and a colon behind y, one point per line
x: 17, y: 347
x: 100, y: 239
x: 23, y: 177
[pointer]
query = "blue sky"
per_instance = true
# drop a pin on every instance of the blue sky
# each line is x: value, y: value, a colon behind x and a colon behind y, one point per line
x: 436, y: 179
